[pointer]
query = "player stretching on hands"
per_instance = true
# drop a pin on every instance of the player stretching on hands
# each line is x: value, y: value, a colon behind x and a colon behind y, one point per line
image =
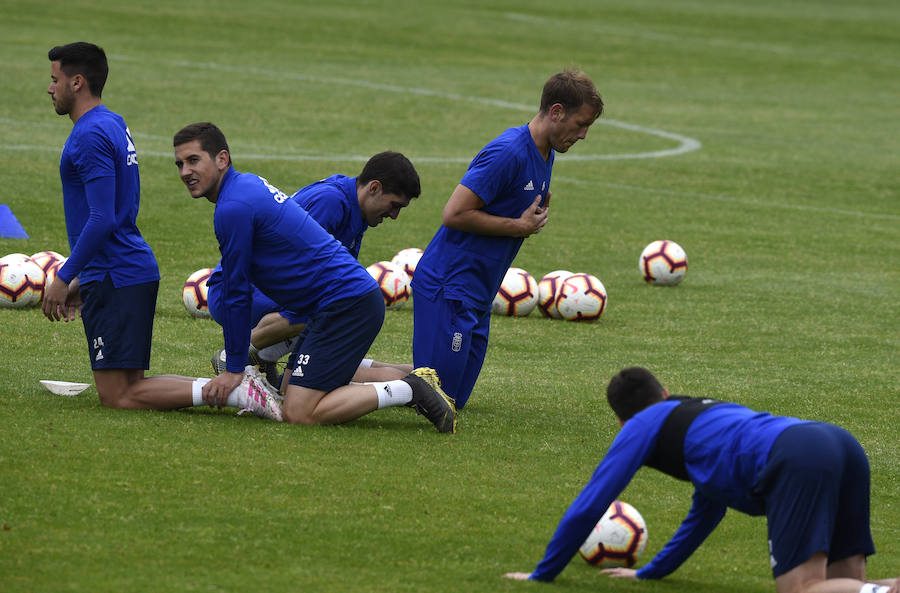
x: 810, y: 480
x: 267, y: 240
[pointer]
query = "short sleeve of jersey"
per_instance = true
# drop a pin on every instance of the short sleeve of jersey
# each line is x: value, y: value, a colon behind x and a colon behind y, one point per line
x: 491, y: 171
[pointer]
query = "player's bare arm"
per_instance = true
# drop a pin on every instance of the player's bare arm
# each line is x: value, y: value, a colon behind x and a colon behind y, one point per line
x: 464, y: 211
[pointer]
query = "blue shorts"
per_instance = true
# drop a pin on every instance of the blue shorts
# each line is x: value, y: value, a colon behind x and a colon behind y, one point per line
x: 816, y: 491
x: 260, y: 306
x: 452, y: 338
x: 118, y: 323
x: 335, y: 341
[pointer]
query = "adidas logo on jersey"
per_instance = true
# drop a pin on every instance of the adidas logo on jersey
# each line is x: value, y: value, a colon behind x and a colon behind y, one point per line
x: 99, y: 355
x: 529, y: 186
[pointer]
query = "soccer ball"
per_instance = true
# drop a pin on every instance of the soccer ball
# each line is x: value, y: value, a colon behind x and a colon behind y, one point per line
x: 393, y: 282
x: 50, y: 262
x: 618, y: 539
x: 21, y: 283
x: 663, y: 263
x: 518, y: 294
x: 408, y: 259
x: 14, y: 258
x: 582, y: 297
x: 548, y: 291
x: 194, y: 294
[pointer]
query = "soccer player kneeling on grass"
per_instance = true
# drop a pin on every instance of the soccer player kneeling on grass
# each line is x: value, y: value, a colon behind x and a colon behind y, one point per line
x: 810, y: 480
x: 268, y: 241
x: 111, y: 277
x: 345, y: 207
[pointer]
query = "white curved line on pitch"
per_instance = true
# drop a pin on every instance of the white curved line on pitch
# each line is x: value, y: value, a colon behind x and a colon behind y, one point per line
x: 685, y: 144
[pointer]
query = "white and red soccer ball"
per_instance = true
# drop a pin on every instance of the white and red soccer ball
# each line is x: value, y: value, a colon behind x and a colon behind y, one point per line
x: 21, y: 282
x: 518, y: 294
x: 548, y: 291
x: 393, y: 282
x: 407, y: 259
x: 50, y: 262
x: 582, y: 297
x: 618, y: 539
x: 663, y: 263
x: 195, y: 294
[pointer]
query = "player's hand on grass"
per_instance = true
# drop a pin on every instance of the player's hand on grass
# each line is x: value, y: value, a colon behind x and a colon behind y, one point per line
x: 620, y: 572
x: 517, y: 576
x: 215, y: 393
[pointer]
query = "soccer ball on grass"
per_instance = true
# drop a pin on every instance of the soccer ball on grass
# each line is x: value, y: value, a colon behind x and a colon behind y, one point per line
x: 21, y: 283
x: 407, y: 259
x: 618, y: 539
x: 393, y: 282
x: 518, y: 294
x: 663, y: 263
x: 582, y: 297
x: 194, y: 294
x: 548, y: 291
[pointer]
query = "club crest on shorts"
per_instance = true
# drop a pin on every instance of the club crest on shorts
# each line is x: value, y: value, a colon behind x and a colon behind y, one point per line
x: 456, y: 343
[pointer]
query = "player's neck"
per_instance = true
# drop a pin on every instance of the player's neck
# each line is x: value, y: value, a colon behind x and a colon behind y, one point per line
x: 540, y: 134
x: 82, y: 106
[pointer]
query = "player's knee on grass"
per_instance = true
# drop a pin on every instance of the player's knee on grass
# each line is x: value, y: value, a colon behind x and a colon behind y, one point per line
x: 300, y: 405
x: 114, y: 386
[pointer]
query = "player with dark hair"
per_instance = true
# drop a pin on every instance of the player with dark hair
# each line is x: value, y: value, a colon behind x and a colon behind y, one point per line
x: 268, y: 241
x: 111, y: 277
x: 810, y: 480
x: 502, y: 199
x: 345, y: 207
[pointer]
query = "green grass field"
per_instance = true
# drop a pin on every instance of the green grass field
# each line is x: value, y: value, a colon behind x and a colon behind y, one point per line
x: 762, y: 137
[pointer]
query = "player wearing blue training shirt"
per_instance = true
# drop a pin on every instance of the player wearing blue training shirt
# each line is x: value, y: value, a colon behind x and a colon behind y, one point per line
x: 345, y: 207
x: 502, y: 199
x: 810, y: 480
x: 111, y: 277
x: 268, y: 241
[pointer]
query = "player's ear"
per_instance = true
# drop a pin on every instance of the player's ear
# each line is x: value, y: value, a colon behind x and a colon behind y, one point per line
x: 557, y: 112
x: 374, y: 187
x: 665, y: 393
x: 222, y: 160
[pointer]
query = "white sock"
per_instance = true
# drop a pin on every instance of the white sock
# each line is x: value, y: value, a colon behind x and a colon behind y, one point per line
x: 197, y: 391
x: 274, y: 352
x: 873, y: 588
x: 366, y: 363
x: 392, y: 393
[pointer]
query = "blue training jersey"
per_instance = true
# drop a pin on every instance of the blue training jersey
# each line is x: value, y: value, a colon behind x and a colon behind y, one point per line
x: 268, y: 241
x: 725, y: 449
x: 334, y: 204
x: 101, y: 196
x: 508, y: 174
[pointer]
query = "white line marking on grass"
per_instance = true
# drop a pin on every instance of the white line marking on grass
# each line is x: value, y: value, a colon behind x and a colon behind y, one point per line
x: 732, y: 200
x: 685, y: 144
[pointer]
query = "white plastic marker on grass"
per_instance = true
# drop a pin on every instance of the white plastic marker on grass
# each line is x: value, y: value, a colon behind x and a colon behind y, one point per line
x: 64, y: 387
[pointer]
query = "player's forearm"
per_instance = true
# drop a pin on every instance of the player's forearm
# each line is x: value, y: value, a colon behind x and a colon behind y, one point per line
x: 100, y: 225
x: 480, y: 222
